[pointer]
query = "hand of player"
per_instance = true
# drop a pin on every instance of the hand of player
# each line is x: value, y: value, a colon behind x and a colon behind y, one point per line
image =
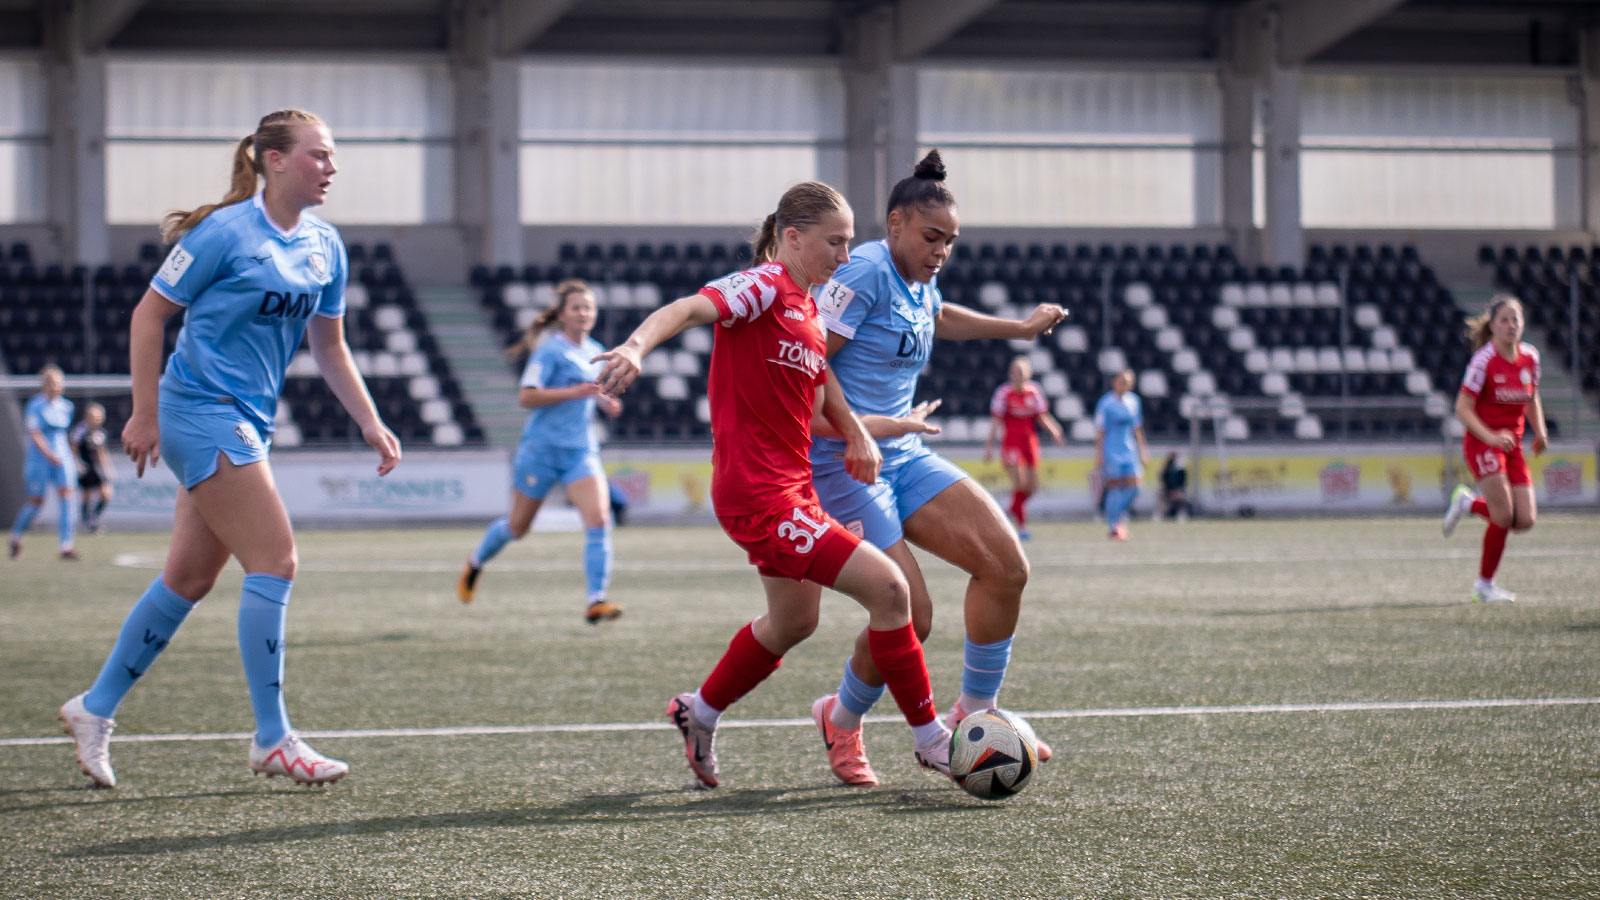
x: 1504, y: 440
x: 141, y: 440
x: 380, y: 438
x: 988, y: 455
x: 1044, y: 318
x: 1540, y: 445
x: 917, y: 419
x: 862, y: 458
x: 609, y: 405
x: 621, y: 367
x: 1059, y: 438
x: 586, y: 389
x: 53, y: 460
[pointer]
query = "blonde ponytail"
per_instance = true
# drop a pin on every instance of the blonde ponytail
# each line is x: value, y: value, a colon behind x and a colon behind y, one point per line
x: 276, y: 131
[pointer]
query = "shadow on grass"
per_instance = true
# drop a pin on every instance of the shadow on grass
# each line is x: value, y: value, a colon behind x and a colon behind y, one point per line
x: 593, y: 809
x: 89, y: 795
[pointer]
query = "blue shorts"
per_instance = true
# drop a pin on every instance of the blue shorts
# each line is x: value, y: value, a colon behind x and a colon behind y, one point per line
x: 1120, y: 468
x: 192, y: 434
x: 537, y: 468
x: 906, y: 482
x: 40, y: 477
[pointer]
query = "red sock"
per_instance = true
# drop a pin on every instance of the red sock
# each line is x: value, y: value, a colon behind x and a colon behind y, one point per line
x: 1018, y: 512
x: 1480, y: 507
x: 1494, y: 544
x: 745, y: 665
x: 898, y: 655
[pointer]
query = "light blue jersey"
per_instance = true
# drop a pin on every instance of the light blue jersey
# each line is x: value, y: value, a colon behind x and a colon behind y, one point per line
x: 890, y: 327
x: 1117, y: 418
x: 249, y: 289
x: 52, y: 419
x: 559, y: 363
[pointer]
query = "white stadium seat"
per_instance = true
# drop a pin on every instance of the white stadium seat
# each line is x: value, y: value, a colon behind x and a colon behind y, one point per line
x: 656, y: 364
x: 516, y: 295
x: 386, y: 365
x: 1418, y: 384
x: 1255, y: 294
x: 1377, y: 360
x: 1328, y: 360
x: 1054, y: 384
x: 1308, y: 428
x: 423, y: 387
x: 1202, y: 384
x: 413, y: 363
x: 1305, y: 359
x: 544, y: 294
x: 1232, y: 294
x: 1224, y: 317
x: 448, y: 434
x: 1274, y: 384
x: 993, y: 295
x: 356, y: 296
x: 1280, y: 295
x: 1112, y: 361
x: 1185, y: 360
x: 685, y: 362
x: 1355, y: 359
x: 389, y: 317
x: 1137, y: 295
x: 1169, y: 339
x: 1384, y: 338
x: 302, y: 365
x: 1241, y: 339
x: 957, y: 428
x: 1235, y: 428
x: 1072, y: 339
x: 1153, y: 317
x: 283, y: 413
x: 1256, y: 360
x: 697, y: 340
x: 1436, y: 405
x: 435, y: 412
x: 1291, y: 405
x: 1083, y: 431
x: 672, y: 387
x: 1305, y: 294
x: 1041, y: 360
x: 702, y: 409
x: 1366, y: 316
x: 286, y: 435
x: 1068, y: 408
x: 1282, y: 359
x: 1401, y: 360
x: 1327, y: 294
x: 400, y: 341
x: 1153, y: 383
x: 525, y: 317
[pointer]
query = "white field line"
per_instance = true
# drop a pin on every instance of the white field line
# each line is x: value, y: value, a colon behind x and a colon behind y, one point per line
x: 1086, y: 560
x: 1113, y: 713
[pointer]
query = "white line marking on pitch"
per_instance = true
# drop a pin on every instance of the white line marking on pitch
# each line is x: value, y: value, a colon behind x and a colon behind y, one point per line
x: 155, y: 561
x: 1113, y: 713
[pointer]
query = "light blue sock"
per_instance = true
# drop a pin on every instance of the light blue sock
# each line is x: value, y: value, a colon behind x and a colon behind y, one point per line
x: 263, y: 621
x: 495, y: 537
x: 64, y: 520
x: 597, y: 559
x: 146, y: 631
x: 856, y: 695
x: 985, y: 669
x: 24, y: 519
x: 1118, y: 502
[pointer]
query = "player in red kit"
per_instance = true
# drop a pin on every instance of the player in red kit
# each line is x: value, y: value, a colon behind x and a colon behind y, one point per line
x: 1018, y: 407
x: 768, y: 376
x: 1499, y: 394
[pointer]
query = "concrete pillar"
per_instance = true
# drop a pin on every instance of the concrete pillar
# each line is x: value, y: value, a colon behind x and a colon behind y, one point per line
x: 1283, y: 239
x: 1238, y: 159
x: 880, y: 118
x: 1588, y: 96
x: 76, y: 87
x: 487, y: 149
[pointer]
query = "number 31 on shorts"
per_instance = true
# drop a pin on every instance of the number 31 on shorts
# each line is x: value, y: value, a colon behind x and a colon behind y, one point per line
x: 804, y: 530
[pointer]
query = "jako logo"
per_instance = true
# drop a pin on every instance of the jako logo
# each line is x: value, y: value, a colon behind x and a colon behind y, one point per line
x: 794, y: 314
x: 287, y: 306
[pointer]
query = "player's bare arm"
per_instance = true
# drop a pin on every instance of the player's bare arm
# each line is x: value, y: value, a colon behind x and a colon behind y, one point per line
x: 622, y: 362
x: 338, y: 368
x: 862, y: 458
x: 958, y: 323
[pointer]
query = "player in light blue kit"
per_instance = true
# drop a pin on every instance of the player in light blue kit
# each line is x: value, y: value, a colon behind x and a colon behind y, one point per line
x: 49, y: 463
x: 1119, y: 451
x: 255, y: 273
x: 883, y: 310
x: 557, y: 446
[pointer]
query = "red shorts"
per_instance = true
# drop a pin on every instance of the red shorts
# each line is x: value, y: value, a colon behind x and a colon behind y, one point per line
x: 795, y: 540
x: 1020, y: 453
x: 1484, y: 460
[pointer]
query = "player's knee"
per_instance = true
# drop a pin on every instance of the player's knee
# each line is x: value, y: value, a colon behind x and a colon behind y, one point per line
x: 1503, y: 518
x: 190, y: 586
x: 794, y: 627
x: 1523, y: 522
x: 518, y: 529
x: 1007, y: 570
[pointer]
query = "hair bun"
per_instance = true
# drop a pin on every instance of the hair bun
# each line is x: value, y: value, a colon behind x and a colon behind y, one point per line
x: 931, y: 168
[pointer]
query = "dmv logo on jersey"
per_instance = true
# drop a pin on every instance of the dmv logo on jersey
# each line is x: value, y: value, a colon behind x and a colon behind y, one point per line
x: 276, y: 306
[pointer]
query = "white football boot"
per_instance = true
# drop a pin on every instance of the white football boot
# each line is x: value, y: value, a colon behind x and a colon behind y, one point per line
x: 92, y: 736
x: 1460, y: 504
x: 294, y: 759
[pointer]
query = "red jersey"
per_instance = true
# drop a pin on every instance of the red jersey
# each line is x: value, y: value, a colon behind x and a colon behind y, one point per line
x: 1018, y: 408
x: 1502, y: 388
x: 767, y: 361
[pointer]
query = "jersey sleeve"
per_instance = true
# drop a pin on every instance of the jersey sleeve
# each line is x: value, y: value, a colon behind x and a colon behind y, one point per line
x: 1534, y: 364
x: 1477, y: 371
x: 997, y: 403
x: 332, y: 304
x: 193, y: 264
x: 1137, y: 420
x: 1036, y: 398
x: 1100, y: 415
x: 535, y: 372
x: 31, y: 418
x: 847, y: 298
x: 740, y: 297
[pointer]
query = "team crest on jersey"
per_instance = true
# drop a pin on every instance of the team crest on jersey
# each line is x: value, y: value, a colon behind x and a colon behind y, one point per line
x: 247, y: 435
x: 319, y: 265
x: 1527, y: 376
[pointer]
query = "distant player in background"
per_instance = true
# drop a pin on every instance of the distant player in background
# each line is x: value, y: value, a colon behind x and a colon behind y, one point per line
x: 1017, y: 409
x: 48, y: 464
x: 1175, y: 488
x: 1499, y: 394
x: 883, y: 311
x: 255, y: 274
x: 768, y: 377
x: 94, y: 466
x: 557, y: 447
x: 1119, y: 452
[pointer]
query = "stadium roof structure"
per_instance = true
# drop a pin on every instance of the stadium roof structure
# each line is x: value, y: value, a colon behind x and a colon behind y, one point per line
x: 1439, y: 32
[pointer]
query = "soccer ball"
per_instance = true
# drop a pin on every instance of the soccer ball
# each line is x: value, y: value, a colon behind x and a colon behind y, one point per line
x: 993, y: 754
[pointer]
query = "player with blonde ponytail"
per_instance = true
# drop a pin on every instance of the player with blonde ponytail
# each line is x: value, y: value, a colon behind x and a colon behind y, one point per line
x: 255, y: 274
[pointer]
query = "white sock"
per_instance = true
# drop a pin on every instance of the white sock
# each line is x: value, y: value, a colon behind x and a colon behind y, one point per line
x: 971, y: 704
x: 1483, y: 584
x: 705, y: 713
x: 843, y: 718
x: 929, y: 733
